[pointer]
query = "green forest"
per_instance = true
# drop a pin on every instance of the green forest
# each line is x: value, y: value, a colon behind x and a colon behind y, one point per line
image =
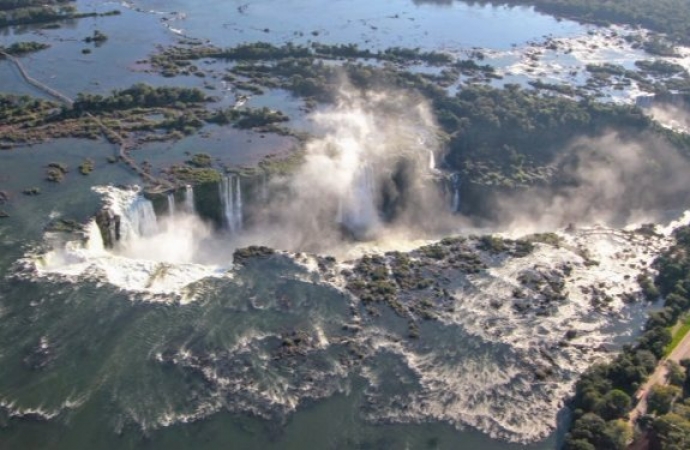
x: 604, y: 395
x: 663, y: 16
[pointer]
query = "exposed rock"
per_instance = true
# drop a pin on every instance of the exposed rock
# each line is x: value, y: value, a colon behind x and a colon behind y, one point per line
x: 241, y: 255
x: 109, y: 225
x: 32, y: 191
x: 64, y: 226
x: 40, y: 356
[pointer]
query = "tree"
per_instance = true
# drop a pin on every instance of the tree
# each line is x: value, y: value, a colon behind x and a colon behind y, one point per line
x: 673, y: 432
x: 615, y: 405
x: 661, y: 398
x: 676, y: 374
x: 618, y: 434
x: 579, y: 444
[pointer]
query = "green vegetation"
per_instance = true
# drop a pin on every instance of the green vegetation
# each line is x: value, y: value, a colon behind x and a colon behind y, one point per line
x: 86, y: 167
x: 201, y: 160
x: 64, y: 226
x: 660, y: 399
x: 242, y: 255
x: 597, y: 423
x: 534, y: 126
x: 178, y: 60
x: 663, y: 16
x: 138, y: 96
x: 55, y: 172
x: 661, y: 67
x: 6, y: 5
x: 545, y: 238
x: 32, y: 191
x: 679, y: 334
x: 194, y: 175
x: 534, y: 129
x: 22, y: 48
x: 653, y: 76
x: 97, y: 37
x: 15, y: 12
x: 247, y: 118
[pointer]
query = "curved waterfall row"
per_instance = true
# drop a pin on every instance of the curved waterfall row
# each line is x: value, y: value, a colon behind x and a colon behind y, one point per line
x: 231, y: 199
x: 139, y: 220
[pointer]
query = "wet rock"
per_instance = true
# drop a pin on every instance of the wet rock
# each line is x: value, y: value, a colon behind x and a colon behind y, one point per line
x: 542, y: 373
x: 109, y: 225
x: 241, y: 255
x: 64, y: 226
x: 32, y: 191
x: 40, y: 356
x: 295, y: 343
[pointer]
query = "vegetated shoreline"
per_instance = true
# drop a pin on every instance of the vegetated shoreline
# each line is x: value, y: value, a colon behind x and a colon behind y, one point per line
x: 671, y: 17
x: 604, y: 395
x: 519, y: 157
x: 43, y: 12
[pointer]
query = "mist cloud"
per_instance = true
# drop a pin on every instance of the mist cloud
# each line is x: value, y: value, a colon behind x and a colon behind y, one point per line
x: 367, y: 173
x: 610, y: 179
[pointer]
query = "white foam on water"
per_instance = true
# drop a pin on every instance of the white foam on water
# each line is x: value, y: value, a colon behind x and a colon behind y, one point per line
x: 566, y: 63
x: 493, y: 387
x: 41, y: 412
x: 490, y: 385
x: 152, y: 258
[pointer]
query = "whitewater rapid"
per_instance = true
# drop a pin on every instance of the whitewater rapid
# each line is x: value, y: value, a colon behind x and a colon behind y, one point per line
x: 156, y: 258
x: 490, y: 358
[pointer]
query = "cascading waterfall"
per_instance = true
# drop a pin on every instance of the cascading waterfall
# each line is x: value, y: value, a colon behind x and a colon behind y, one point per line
x: 94, y: 243
x: 231, y: 199
x: 189, y: 200
x: 238, y: 204
x: 171, y: 204
x: 360, y: 212
x: 456, y: 181
x: 432, y: 161
x: 139, y: 220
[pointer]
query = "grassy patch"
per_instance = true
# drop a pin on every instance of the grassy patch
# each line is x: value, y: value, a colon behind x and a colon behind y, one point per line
x: 679, y: 334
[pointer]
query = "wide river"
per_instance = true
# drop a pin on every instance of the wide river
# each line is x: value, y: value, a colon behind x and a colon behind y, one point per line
x: 86, y: 364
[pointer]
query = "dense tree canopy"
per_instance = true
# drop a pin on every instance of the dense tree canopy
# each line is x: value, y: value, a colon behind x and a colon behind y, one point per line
x: 603, y: 394
x: 664, y: 16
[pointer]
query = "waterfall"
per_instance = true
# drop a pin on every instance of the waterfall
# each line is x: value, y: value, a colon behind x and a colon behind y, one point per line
x: 139, y: 219
x: 238, y: 204
x: 231, y: 199
x: 171, y: 204
x: 189, y: 199
x: 456, y: 182
x: 432, y: 161
x: 360, y: 213
x: 94, y: 242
